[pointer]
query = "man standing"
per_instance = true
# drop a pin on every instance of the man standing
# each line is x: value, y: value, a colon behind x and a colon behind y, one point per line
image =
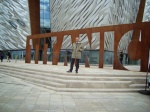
x: 2, y: 56
x: 77, y: 48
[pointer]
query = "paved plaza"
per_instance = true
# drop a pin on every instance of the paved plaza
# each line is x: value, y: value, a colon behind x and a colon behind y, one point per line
x: 17, y: 95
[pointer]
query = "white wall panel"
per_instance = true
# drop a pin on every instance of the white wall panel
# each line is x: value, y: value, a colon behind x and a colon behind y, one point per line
x: 77, y: 14
x: 14, y: 13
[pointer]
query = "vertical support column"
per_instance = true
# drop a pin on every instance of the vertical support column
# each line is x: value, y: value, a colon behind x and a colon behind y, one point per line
x: 56, y: 49
x: 28, y: 51
x: 65, y: 59
x: 116, y: 42
x: 36, y: 53
x: 44, y: 41
x: 89, y: 34
x: 101, y: 50
x: 45, y: 54
x: 139, y: 18
x: 149, y: 56
x: 55, y: 55
x: 34, y: 9
x: 145, y: 49
x: 87, y: 61
x: 118, y: 35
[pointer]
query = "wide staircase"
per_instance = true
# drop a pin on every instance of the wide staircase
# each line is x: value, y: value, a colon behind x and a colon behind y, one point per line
x: 72, y: 82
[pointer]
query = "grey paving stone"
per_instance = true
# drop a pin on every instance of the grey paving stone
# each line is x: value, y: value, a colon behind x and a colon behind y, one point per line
x: 20, y: 96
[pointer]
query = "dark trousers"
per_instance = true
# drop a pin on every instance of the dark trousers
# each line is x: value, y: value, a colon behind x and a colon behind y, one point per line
x: 72, y: 63
x: 1, y: 58
x: 121, y: 59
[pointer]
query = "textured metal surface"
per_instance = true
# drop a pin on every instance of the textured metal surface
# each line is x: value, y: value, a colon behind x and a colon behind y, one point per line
x: 119, y: 31
x: 78, y: 14
x: 14, y: 24
x: 45, y: 54
x: 134, y: 46
x: 34, y: 9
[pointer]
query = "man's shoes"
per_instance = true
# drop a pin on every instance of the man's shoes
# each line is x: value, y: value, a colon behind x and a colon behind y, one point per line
x: 76, y: 71
x: 69, y: 71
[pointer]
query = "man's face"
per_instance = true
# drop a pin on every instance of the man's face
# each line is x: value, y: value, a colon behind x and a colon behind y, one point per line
x: 77, y: 39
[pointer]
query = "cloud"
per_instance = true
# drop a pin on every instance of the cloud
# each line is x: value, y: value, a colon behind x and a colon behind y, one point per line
x: 43, y: 7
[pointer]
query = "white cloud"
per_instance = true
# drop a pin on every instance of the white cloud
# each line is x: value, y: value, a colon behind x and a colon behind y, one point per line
x: 43, y: 7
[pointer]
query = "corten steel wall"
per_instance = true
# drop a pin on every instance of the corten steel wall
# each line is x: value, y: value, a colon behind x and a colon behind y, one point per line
x: 139, y: 19
x: 119, y: 30
x: 34, y: 9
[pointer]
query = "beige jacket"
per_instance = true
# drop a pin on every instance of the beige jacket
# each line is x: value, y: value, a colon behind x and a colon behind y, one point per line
x: 77, y: 48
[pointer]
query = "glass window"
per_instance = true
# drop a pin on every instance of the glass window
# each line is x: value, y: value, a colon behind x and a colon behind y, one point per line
x: 44, y: 13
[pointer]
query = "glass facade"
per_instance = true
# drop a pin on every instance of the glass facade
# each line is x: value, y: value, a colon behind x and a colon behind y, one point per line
x: 45, y: 14
x: 93, y: 55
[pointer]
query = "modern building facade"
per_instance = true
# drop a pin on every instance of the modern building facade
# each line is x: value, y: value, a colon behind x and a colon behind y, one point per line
x: 14, y: 24
x: 28, y: 17
x: 78, y: 14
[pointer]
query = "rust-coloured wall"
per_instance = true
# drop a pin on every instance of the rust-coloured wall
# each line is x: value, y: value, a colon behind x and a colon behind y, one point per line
x: 119, y: 31
x: 139, y: 19
x: 34, y: 9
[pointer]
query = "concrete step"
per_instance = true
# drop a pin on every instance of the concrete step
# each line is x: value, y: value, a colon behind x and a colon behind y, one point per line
x: 78, y: 77
x: 140, y: 79
x: 35, y: 80
x: 69, y: 83
x: 88, y: 82
x: 89, y: 89
x: 34, y: 75
x: 99, y: 90
x: 71, y: 74
x: 76, y: 82
x: 98, y: 84
x: 137, y: 86
x: 50, y: 76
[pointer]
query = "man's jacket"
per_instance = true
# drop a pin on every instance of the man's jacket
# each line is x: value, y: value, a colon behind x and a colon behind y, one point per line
x: 77, y: 48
